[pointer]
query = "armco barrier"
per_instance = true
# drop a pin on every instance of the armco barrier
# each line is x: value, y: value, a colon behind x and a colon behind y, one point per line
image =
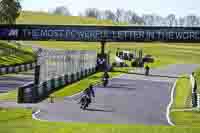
x: 198, y: 100
x: 194, y: 91
x: 31, y: 93
x: 17, y: 68
x: 194, y: 100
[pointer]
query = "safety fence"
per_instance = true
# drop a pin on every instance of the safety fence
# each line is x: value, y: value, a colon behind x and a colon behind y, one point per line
x: 55, y: 69
x: 17, y: 68
x: 195, y: 95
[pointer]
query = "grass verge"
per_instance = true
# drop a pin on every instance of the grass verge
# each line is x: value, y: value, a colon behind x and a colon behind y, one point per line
x: 184, y: 118
x: 182, y: 93
x: 10, y: 54
x: 82, y: 84
x: 10, y: 96
x: 20, y: 121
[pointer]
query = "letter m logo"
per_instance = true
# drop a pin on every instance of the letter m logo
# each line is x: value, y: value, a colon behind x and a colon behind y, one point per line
x: 13, y: 32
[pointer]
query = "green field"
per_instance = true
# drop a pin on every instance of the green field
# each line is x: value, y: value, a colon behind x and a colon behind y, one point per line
x: 28, y: 17
x: 11, y: 54
x: 163, y: 53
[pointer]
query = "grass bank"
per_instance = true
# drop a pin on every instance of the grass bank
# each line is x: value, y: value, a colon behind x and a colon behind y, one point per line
x: 11, y: 54
x: 82, y: 84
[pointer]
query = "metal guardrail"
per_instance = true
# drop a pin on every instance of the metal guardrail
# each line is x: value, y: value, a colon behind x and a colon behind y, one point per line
x: 33, y: 93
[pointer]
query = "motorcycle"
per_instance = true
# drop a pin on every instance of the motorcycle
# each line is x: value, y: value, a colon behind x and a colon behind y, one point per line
x: 105, y: 82
x: 85, y: 101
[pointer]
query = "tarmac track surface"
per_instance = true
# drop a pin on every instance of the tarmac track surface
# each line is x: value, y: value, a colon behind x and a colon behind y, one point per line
x: 123, y: 101
x: 10, y: 82
x: 128, y: 99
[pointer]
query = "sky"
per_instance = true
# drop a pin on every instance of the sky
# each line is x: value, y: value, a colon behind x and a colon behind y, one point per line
x: 159, y: 7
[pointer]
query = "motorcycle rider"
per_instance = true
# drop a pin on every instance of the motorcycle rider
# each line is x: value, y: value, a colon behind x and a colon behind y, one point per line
x: 83, y: 100
x: 147, y: 68
x: 105, y: 77
x: 88, y: 93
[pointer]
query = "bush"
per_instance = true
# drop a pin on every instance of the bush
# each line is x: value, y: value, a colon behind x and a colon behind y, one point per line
x: 134, y: 64
x: 114, y: 64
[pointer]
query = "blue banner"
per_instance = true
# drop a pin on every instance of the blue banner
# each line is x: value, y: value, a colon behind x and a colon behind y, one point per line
x: 99, y: 33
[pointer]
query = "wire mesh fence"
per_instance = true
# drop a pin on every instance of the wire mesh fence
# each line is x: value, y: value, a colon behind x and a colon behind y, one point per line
x: 56, y: 68
x: 57, y: 63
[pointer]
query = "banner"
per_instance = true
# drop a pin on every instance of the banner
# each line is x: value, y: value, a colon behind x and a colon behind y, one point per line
x: 99, y: 33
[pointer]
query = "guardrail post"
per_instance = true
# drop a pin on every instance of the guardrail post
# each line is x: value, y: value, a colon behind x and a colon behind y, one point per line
x: 194, y: 100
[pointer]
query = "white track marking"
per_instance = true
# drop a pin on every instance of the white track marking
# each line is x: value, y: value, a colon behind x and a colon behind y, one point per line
x: 34, y: 116
x: 170, y: 104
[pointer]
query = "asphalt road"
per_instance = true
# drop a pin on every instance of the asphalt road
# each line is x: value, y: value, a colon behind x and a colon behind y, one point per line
x: 174, y: 70
x: 12, y: 81
x: 128, y: 99
x: 124, y: 101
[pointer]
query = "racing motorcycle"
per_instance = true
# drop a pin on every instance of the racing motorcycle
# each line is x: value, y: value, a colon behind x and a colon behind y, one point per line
x: 105, y: 82
x: 85, y: 101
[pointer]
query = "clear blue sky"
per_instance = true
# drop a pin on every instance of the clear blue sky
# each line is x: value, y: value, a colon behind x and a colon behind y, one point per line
x: 160, y: 7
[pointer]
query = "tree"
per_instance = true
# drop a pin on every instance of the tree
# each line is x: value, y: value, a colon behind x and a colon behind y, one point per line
x: 61, y: 10
x: 109, y: 15
x: 171, y: 19
x: 192, y: 20
x: 92, y: 12
x: 119, y: 15
x: 148, y: 19
x: 181, y: 21
x: 9, y: 11
x: 127, y: 17
x: 135, y: 19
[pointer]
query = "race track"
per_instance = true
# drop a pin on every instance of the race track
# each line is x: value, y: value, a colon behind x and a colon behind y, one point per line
x: 128, y: 99
x: 123, y: 101
x: 10, y: 82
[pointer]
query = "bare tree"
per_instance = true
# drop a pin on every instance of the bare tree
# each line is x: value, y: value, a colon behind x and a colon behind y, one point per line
x: 92, y: 12
x: 135, y: 19
x: 61, y: 10
x: 127, y: 17
x: 108, y: 14
x: 119, y: 15
x: 181, y: 21
x: 171, y: 20
x: 192, y: 20
x: 148, y: 19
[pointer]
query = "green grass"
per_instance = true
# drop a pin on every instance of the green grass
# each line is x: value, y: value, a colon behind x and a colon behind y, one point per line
x: 28, y: 17
x: 182, y: 93
x: 10, y: 54
x: 82, y: 84
x: 197, y: 77
x: 10, y: 96
x: 20, y: 121
x: 187, y: 118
